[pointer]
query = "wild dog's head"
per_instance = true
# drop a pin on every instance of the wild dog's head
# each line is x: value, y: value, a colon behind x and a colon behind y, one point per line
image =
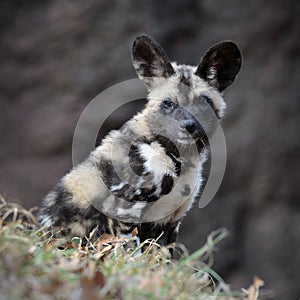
x: 185, y: 101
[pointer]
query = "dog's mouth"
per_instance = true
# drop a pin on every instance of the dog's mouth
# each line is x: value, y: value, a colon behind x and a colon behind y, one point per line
x: 186, y: 141
x: 186, y: 138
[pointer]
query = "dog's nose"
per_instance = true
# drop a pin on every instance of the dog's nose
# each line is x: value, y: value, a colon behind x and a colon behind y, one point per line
x: 190, y: 126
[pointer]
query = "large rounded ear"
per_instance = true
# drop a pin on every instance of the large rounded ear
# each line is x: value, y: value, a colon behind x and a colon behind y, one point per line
x: 220, y: 65
x: 150, y: 60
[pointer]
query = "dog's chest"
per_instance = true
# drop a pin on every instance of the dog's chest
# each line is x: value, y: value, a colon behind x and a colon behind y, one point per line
x: 173, y: 206
x: 166, y: 186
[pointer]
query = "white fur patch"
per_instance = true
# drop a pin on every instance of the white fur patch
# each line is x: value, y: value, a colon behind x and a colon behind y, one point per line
x: 117, y: 187
x: 212, y: 73
x: 46, y: 221
x: 134, y: 211
x: 156, y: 161
x: 170, y: 210
x: 137, y: 192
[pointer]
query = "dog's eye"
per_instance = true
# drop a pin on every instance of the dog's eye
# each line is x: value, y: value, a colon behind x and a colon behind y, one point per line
x: 168, y: 104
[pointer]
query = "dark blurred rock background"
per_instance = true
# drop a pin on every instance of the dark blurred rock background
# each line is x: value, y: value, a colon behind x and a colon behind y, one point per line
x: 56, y: 56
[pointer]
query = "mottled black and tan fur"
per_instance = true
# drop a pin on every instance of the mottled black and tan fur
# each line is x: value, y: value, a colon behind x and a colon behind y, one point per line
x: 147, y: 174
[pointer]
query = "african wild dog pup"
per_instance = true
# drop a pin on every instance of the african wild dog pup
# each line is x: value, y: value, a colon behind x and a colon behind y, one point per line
x: 148, y: 173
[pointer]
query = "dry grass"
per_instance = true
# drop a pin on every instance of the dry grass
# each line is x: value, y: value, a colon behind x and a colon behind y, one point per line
x: 34, y: 265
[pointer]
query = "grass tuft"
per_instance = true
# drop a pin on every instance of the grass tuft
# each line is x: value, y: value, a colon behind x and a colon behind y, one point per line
x: 35, y: 265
